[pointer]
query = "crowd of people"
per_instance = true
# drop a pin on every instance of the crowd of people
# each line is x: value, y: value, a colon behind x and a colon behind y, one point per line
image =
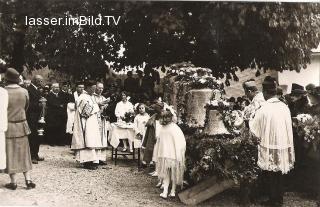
x: 83, y: 118
x: 269, y: 117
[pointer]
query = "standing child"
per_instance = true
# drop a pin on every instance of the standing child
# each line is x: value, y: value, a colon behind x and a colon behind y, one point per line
x: 140, y: 122
x: 170, y: 154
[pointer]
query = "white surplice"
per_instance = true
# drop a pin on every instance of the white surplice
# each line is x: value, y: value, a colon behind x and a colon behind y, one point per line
x: 3, y: 126
x: 86, y: 139
x: 272, y: 125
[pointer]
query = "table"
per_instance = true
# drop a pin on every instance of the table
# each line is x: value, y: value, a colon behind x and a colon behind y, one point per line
x: 120, y: 131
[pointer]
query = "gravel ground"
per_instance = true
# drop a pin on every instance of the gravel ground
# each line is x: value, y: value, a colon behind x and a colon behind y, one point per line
x: 61, y: 182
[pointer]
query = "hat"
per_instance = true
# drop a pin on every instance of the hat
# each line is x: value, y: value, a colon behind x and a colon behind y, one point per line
x: 316, y: 91
x: 310, y: 86
x: 12, y: 75
x: 297, y: 89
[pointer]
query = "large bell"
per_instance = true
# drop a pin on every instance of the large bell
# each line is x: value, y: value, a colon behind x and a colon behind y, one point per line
x: 214, y: 124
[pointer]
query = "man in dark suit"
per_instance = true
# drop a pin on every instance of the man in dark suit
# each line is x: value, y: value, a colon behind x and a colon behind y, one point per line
x: 55, y: 117
x: 33, y: 115
x: 66, y: 97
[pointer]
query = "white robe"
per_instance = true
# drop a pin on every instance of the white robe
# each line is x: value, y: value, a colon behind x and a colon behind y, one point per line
x: 272, y: 125
x: 171, y: 153
x: 71, y: 109
x: 3, y: 126
x: 105, y: 125
x: 86, y: 139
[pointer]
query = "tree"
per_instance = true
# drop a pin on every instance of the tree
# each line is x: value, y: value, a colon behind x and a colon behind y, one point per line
x: 223, y: 36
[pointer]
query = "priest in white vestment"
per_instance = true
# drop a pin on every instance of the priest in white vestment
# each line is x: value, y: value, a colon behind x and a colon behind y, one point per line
x: 103, y: 104
x: 71, y: 107
x: 273, y: 127
x: 89, y: 145
x: 3, y: 126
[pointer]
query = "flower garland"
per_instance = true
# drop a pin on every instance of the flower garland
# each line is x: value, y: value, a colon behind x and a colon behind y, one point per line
x: 226, y: 156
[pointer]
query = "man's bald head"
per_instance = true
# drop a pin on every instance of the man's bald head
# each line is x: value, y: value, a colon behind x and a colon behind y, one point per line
x: 37, y: 80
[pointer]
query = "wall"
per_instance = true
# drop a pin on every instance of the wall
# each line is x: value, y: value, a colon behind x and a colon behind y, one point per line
x: 309, y: 75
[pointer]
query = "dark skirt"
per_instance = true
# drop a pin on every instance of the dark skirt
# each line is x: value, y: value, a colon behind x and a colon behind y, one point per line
x: 18, y: 155
x: 149, y: 142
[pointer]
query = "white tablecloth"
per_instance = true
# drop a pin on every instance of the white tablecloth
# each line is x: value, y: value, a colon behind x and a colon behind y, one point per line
x: 122, y: 132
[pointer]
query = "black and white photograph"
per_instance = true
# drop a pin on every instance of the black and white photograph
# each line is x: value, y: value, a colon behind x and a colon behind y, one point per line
x: 159, y: 103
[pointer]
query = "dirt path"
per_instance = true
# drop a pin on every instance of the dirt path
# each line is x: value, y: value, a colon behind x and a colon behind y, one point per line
x: 60, y: 182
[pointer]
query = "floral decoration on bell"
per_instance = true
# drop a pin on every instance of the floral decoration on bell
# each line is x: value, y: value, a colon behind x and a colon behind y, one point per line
x: 225, y: 156
x: 220, y: 105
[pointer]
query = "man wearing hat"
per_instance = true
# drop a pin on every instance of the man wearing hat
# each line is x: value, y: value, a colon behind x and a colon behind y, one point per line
x: 312, y: 98
x: 297, y: 100
x: 255, y: 96
x: 273, y: 127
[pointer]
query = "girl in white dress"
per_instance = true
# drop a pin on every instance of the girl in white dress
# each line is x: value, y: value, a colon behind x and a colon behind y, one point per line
x: 140, y: 125
x: 170, y: 154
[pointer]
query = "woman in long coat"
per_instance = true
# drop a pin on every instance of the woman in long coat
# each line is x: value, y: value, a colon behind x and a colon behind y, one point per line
x: 17, y: 144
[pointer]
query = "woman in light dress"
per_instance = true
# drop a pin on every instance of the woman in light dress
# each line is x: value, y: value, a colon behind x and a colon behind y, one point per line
x: 123, y: 107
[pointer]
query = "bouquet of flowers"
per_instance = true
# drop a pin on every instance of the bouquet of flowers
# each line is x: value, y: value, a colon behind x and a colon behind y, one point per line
x: 308, y: 127
x: 128, y: 117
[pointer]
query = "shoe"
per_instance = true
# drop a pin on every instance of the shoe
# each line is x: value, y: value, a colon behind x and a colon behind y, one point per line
x: 131, y: 150
x: 164, y: 195
x: 11, y: 186
x: 40, y: 158
x: 143, y: 165
x: 34, y: 161
x: 152, y: 173
x: 155, y: 174
x: 124, y: 149
x: 158, y: 184
x: 102, y: 162
x: 172, y: 194
x: 30, y: 184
